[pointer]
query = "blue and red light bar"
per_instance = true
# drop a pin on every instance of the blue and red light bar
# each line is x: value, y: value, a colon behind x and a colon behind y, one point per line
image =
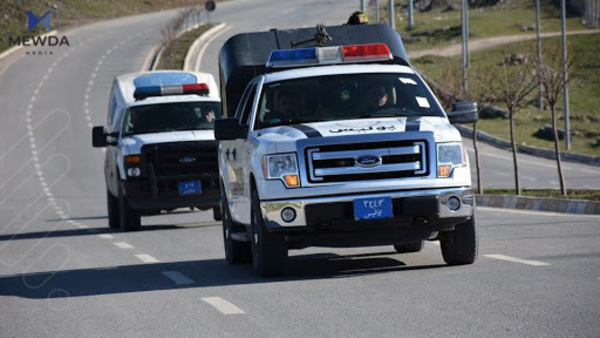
x: 141, y: 93
x: 329, y: 55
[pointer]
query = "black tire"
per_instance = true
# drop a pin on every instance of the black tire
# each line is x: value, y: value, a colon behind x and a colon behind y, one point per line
x: 129, y: 219
x: 460, y: 246
x: 269, y: 251
x: 112, y: 206
x: 235, y: 252
x: 217, y: 214
x: 409, y: 247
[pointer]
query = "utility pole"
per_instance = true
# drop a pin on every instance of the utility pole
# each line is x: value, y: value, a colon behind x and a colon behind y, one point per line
x: 363, y: 5
x: 465, y: 43
x: 391, y: 11
x: 411, y: 21
x: 539, y: 53
x: 563, y: 20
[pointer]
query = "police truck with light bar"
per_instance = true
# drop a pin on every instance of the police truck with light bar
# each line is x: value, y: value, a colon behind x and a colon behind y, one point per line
x: 161, y: 153
x: 333, y: 139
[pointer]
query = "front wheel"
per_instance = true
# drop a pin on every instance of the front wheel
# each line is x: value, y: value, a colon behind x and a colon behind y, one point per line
x: 129, y: 219
x: 112, y: 206
x: 236, y: 252
x: 269, y: 251
x: 460, y: 246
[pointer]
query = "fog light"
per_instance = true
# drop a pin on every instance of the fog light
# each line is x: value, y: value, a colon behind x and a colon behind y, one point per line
x: 453, y: 203
x: 134, y: 172
x: 288, y: 214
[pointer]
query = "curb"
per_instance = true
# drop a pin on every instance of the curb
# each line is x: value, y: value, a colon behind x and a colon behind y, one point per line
x: 196, y: 45
x: 579, y: 207
x: 539, y: 152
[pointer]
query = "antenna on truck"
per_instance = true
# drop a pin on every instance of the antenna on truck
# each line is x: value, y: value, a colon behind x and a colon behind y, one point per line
x: 319, y: 38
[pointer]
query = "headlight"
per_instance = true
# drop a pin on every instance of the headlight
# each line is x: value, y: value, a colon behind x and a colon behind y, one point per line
x: 283, y: 167
x: 450, y: 156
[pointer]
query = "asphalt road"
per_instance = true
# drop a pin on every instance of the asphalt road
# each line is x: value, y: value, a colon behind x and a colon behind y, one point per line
x: 64, y: 273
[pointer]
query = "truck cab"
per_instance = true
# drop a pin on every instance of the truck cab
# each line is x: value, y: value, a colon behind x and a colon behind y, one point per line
x: 337, y: 144
x: 161, y: 153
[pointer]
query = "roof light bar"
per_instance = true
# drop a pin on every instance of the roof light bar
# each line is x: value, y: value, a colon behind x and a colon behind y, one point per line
x: 141, y: 93
x: 329, y: 55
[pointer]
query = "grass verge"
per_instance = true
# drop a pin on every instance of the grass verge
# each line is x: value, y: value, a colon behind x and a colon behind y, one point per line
x: 173, y: 56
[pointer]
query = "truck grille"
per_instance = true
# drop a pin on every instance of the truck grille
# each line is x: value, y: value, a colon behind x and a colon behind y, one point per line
x: 367, y: 161
x: 182, y: 158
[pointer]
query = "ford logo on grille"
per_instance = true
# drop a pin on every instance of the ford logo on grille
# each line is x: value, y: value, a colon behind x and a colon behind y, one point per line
x: 187, y: 159
x: 368, y: 161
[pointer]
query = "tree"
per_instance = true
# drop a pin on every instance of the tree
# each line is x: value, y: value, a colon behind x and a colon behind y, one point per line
x: 552, y: 79
x: 450, y: 78
x: 480, y: 91
x: 515, y: 81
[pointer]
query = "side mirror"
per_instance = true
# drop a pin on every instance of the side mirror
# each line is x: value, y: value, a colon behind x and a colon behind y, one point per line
x: 230, y: 129
x: 463, y: 112
x: 99, y: 137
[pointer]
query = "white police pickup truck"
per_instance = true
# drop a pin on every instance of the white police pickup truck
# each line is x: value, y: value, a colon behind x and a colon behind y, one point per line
x: 340, y: 144
x: 160, y: 148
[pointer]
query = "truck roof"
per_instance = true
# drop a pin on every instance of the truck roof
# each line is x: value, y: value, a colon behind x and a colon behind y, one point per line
x: 244, y: 56
x: 129, y: 82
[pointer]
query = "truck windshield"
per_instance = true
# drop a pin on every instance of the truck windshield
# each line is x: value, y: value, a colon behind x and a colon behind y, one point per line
x: 346, y: 96
x: 166, y: 117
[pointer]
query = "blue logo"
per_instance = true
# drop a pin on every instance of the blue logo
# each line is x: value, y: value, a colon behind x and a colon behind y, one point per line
x: 368, y: 161
x: 34, y: 20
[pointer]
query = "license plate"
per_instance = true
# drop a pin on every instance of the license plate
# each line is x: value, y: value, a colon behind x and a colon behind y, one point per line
x: 190, y: 188
x: 373, y: 208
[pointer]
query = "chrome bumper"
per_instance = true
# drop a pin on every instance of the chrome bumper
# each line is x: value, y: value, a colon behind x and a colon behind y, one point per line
x: 272, y: 210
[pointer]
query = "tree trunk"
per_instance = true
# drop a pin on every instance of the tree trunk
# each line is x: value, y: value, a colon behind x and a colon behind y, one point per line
x: 561, y: 178
x: 514, y: 151
x: 477, y: 164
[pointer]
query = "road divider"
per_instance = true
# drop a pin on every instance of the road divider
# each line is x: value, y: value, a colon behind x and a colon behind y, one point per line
x: 580, y: 207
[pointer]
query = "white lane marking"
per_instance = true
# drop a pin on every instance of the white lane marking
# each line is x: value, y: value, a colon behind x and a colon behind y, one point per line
x: 206, y: 44
x: 534, y: 212
x: 223, y: 306
x: 517, y: 260
x: 82, y: 226
x: 178, y: 277
x: 147, y: 258
x: 123, y: 245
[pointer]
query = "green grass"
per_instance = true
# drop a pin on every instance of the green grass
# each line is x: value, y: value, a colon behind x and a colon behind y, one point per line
x: 173, y: 56
x: 437, y: 28
x: 13, y: 13
x: 584, y: 101
x: 576, y: 194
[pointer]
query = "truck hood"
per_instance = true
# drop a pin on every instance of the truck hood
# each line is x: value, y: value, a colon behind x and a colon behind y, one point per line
x: 443, y: 131
x: 134, y: 143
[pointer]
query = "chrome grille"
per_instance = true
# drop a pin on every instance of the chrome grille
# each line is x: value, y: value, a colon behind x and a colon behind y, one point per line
x: 182, y: 158
x: 367, y: 161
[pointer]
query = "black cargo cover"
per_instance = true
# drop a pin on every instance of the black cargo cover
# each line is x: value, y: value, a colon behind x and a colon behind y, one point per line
x: 243, y: 56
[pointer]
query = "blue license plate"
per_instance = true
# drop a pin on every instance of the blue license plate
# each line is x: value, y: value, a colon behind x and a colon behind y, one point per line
x: 373, y: 208
x: 190, y: 188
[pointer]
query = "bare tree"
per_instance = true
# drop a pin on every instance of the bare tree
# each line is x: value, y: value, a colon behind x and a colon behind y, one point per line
x: 449, y: 77
x: 480, y: 91
x: 516, y: 81
x: 551, y: 77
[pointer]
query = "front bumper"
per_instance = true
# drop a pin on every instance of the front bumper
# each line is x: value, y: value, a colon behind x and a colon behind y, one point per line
x: 426, y: 208
x: 163, y: 192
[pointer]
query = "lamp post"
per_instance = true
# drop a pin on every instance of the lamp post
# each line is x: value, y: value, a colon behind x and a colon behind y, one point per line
x: 565, y: 78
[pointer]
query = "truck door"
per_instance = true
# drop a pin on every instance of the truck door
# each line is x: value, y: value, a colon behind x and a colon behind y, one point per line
x: 233, y: 154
